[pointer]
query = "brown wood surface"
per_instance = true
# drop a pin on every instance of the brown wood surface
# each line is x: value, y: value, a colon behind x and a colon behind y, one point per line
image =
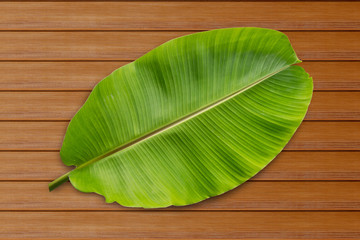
x: 52, y: 53
x: 183, y: 224
x: 129, y: 45
x: 179, y: 15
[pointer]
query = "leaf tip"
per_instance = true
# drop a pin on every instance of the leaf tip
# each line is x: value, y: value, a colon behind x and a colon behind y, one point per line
x: 57, y: 182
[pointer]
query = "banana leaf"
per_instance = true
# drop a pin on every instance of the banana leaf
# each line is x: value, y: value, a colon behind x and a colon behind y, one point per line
x: 191, y: 119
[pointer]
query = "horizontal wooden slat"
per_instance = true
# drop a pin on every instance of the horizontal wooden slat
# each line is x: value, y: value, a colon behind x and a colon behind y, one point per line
x: 40, y: 105
x: 47, y: 166
x: 131, y: 45
x: 57, y: 75
x: 63, y: 105
x: 306, y: 225
x: 334, y: 106
x: 178, y: 15
x: 84, y: 75
x: 333, y: 75
x: 310, y: 136
x: 249, y: 196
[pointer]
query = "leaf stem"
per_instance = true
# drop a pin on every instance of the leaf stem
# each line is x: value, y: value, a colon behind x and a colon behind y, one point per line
x: 60, y: 180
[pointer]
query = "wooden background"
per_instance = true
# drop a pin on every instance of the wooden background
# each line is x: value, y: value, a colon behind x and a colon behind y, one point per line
x: 51, y: 55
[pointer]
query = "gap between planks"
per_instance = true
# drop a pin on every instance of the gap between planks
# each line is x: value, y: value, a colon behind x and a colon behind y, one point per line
x: 250, y: 180
x: 131, y: 60
x: 173, y: 211
x: 164, y: 30
x: 88, y: 91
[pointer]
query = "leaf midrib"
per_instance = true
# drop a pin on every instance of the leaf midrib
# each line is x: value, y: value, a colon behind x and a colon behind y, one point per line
x: 166, y: 127
x: 181, y: 120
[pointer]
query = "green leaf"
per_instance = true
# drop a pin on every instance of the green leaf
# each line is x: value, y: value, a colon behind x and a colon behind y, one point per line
x: 191, y: 119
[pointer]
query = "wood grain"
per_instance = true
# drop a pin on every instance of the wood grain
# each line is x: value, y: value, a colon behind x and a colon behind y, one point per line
x: 249, y: 196
x: 59, y: 75
x: 306, y: 225
x: 334, y: 106
x: 309, y: 136
x: 129, y: 45
x: 334, y: 75
x: 46, y: 166
x: 84, y: 75
x: 63, y: 105
x: 179, y: 15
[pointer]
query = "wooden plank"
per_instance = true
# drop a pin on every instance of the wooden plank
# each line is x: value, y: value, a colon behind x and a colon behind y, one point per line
x: 31, y: 166
x: 153, y: 224
x: 334, y: 75
x: 46, y: 166
x: 40, y: 105
x: 267, y: 196
x: 179, y: 15
x: 63, y: 105
x: 312, y: 166
x: 131, y: 45
x: 57, y: 75
x: 84, y: 75
x: 310, y: 136
x: 334, y: 106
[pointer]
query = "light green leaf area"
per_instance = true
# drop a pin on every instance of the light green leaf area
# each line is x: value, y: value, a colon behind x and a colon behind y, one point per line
x: 191, y: 119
